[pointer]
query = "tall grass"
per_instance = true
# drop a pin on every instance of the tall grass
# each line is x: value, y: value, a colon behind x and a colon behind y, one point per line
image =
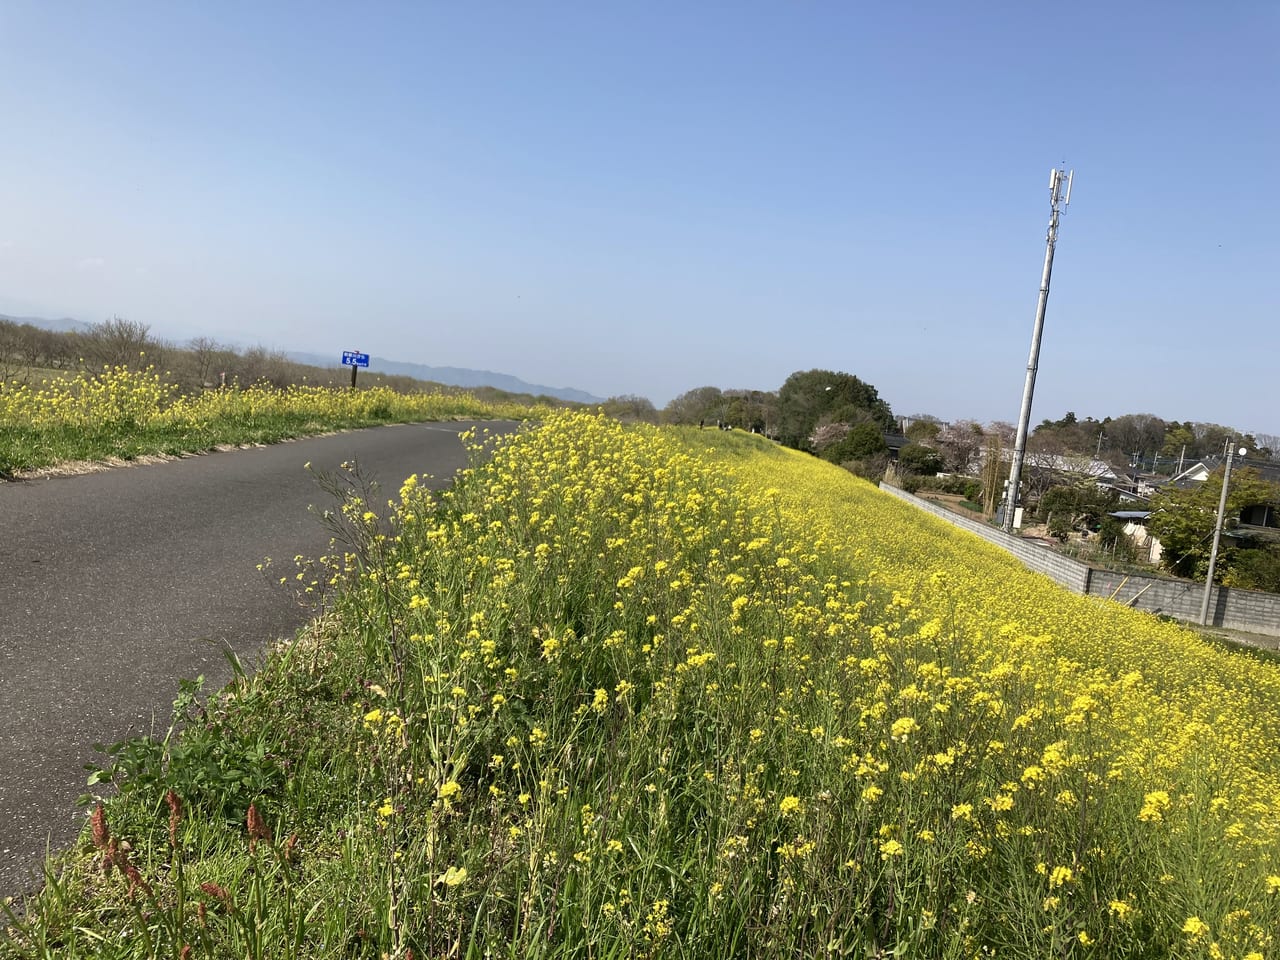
x: 633, y: 693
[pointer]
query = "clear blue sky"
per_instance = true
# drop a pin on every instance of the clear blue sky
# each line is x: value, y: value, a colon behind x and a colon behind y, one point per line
x: 647, y: 198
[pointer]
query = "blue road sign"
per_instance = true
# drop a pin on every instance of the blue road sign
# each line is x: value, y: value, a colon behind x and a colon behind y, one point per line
x: 352, y: 359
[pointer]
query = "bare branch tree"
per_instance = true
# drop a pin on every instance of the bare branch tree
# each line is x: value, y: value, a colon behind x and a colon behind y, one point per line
x: 117, y: 342
x: 960, y: 443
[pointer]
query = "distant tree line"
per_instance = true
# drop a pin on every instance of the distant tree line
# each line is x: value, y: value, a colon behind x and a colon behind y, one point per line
x: 1145, y: 441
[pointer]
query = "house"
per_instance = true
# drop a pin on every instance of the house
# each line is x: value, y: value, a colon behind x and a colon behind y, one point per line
x: 895, y: 442
x: 1135, y: 528
x: 1124, y: 492
x: 1201, y: 470
x: 1259, y: 523
x: 1058, y: 465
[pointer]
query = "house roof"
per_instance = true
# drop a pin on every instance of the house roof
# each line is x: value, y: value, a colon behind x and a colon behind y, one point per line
x: 1249, y: 531
x: 1126, y: 493
x: 1084, y: 466
x: 1196, y: 473
x: 1130, y: 514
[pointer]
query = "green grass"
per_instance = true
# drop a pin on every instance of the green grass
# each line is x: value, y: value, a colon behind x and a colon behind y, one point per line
x: 26, y: 448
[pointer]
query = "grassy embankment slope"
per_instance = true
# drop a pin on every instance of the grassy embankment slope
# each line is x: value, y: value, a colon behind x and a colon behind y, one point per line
x: 124, y: 414
x: 625, y: 693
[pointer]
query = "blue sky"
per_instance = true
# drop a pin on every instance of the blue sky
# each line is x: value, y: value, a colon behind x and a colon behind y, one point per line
x: 646, y: 198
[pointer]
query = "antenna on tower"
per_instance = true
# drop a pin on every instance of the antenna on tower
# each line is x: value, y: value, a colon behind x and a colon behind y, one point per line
x: 1057, y: 176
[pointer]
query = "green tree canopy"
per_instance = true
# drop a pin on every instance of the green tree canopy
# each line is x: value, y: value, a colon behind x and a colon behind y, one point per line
x: 1077, y: 506
x: 807, y: 397
x: 918, y: 459
x: 695, y: 406
x: 629, y: 407
x: 1184, y: 520
x: 863, y: 441
x: 923, y: 430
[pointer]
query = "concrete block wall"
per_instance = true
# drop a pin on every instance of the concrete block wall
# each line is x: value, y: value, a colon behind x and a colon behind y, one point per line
x: 1233, y: 609
x: 1171, y: 598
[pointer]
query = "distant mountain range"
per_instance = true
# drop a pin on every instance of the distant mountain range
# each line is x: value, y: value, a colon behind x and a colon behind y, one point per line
x: 61, y: 325
x: 450, y: 376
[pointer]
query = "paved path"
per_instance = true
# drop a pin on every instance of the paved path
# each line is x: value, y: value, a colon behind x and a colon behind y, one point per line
x: 114, y: 585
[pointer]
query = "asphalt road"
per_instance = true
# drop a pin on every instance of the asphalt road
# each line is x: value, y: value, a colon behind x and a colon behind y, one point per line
x: 114, y: 585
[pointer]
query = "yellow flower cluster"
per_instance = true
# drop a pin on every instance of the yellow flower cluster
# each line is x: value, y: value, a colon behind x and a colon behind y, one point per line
x: 122, y: 406
x: 120, y: 395
x: 729, y: 668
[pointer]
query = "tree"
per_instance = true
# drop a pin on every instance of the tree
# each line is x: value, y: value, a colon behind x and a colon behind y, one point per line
x: 959, y: 443
x: 204, y: 355
x: 56, y: 349
x: 1211, y: 438
x: 263, y: 365
x: 1003, y: 429
x: 918, y: 459
x: 629, y: 408
x: 1070, y: 434
x: 1076, y: 506
x: 117, y: 342
x: 737, y: 409
x: 1136, y: 435
x: 17, y: 351
x: 1050, y: 462
x: 699, y: 405
x: 1184, y: 520
x: 759, y: 410
x: 827, y: 434
x: 859, y: 443
x: 1179, y: 442
x: 923, y: 428
x: 1257, y: 569
x: 1268, y: 445
x: 994, y: 470
x: 808, y: 396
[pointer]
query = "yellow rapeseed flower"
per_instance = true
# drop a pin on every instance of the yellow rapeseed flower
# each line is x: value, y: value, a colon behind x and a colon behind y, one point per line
x: 1195, y: 928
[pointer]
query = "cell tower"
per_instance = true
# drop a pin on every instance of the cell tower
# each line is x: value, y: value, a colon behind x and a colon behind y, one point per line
x: 1059, y: 195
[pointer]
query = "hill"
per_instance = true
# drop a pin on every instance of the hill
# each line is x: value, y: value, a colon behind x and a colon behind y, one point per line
x: 61, y: 325
x: 453, y: 376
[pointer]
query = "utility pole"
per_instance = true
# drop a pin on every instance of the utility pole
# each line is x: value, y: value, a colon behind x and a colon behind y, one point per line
x: 1217, y: 534
x: 1059, y: 194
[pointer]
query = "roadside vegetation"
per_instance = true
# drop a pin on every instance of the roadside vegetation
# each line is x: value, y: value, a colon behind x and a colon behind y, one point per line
x: 114, y: 392
x: 683, y: 693
x: 123, y: 413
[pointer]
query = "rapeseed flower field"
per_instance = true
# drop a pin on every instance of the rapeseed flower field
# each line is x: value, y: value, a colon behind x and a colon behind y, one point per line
x: 123, y: 412
x: 633, y: 692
